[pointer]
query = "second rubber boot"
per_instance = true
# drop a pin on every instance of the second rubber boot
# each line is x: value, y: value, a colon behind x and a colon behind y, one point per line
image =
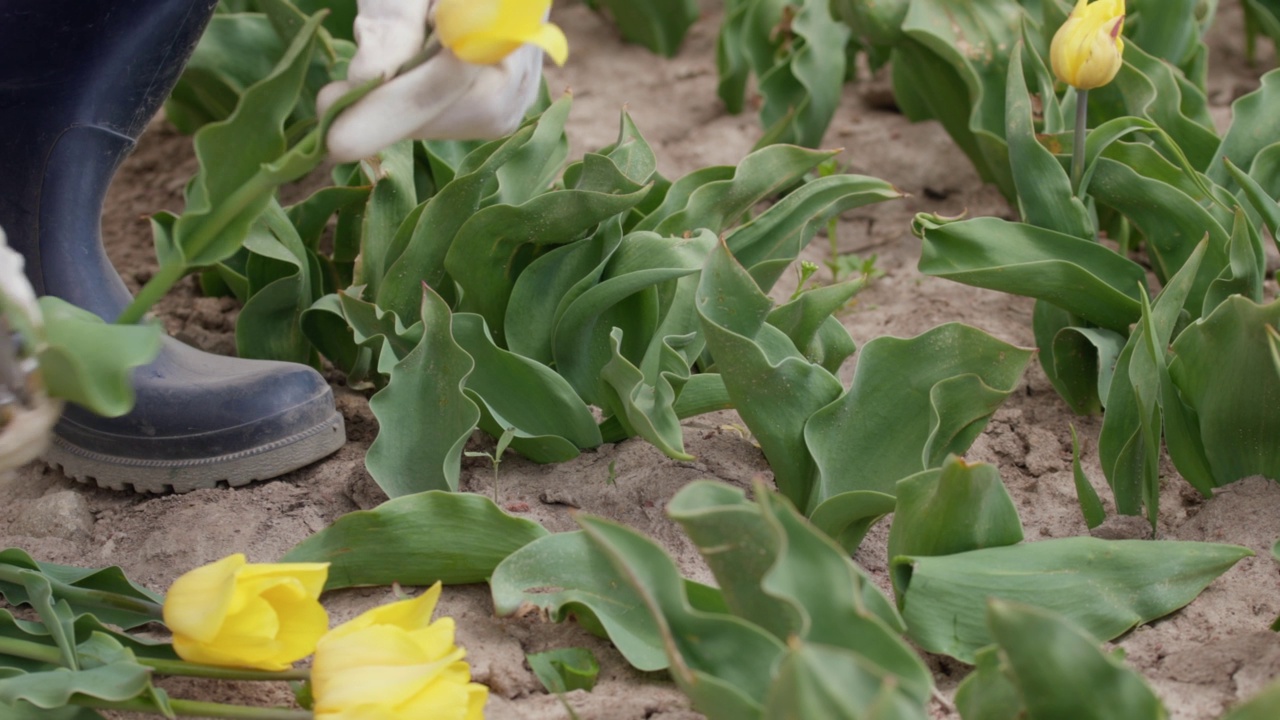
x: 79, y: 81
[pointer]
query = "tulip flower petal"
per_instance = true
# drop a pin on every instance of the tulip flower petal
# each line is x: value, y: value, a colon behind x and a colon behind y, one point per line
x: 391, y: 685
x: 234, y: 614
x: 198, y: 600
x: 395, y: 663
x: 486, y: 31
x: 1087, y: 51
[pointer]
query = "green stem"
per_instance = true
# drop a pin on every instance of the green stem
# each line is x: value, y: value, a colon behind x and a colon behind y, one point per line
x: 181, y: 668
x: 157, y: 287
x: 30, y: 650
x: 49, y: 654
x: 83, y: 596
x: 264, y: 182
x: 1077, y: 147
x: 195, y: 708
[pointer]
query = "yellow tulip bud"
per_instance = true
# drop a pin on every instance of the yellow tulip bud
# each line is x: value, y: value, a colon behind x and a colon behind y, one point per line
x: 1087, y: 50
x: 234, y: 614
x: 394, y: 663
x: 483, y: 32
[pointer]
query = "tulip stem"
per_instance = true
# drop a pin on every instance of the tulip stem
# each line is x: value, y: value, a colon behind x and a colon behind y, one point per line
x: 180, y: 668
x: 50, y: 655
x: 100, y: 599
x: 196, y: 708
x: 1077, y: 147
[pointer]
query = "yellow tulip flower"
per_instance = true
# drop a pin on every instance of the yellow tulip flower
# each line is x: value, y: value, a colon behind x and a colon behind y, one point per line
x: 1087, y: 50
x: 483, y: 32
x: 394, y: 663
x: 234, y: 614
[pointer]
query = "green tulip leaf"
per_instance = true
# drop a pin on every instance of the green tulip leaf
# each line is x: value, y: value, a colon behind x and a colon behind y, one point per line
x: 424, y: 417
x: 1236, y: 422
x: 423, y: 258
x: 566, y: 574
x: 550, y: 284
x: 804, y: 318
x: 56, y: 688
x: 716, y: 198
x: 659, y: 25
x: 90, y: 362
x: 1106, y: 587
x: 912, y: 402
x: 848, y: 516
x: 627, y: 297
x: 1044, y: 188
x: 111, y: 580
x: 802, y: 90
x: 988, y: 693
x: 528, y: 395
x: 1079, y: 276
x: 936, y: 74
x: 564, y: 670
x: 1251, y: 130
x: 1148, y: 87
x: 279, y: 276
x: 774, y: 388
x: 1246, y: 266
x: 1090, y: 503
x: 232, y: 186
x: 775, y: 237
x: 952, y: 509
x: 1125, y: 458
x: 1133, y: 180
x: 1083, y: 360
x: 418, y: 539
x: 1060, y: 671
x: 838, y: 603
x: 1261, y: 202
x: 722, y: 662
x: 815, y: 681
x: 767, y: 560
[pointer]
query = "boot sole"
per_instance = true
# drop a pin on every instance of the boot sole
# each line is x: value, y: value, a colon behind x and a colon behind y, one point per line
x: 179, y: 476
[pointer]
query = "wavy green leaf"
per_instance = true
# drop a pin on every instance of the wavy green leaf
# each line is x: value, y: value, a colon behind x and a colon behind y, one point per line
x: 418, y: 539
x: 1236, y: 421
x: 1105, y: 587
x: 952, y: 509
x: 1077, y: 275
x: 659, y: 25
x: 911, y: 403
x: 1060, y: 671
x: 89, y: 361
x: 424, y: 417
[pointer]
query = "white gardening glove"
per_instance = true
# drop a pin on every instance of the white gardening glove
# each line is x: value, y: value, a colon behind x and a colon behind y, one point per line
x: 443, y: 99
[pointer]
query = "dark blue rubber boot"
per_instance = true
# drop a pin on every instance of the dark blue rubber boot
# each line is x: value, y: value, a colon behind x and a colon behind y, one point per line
x: 79, y: 80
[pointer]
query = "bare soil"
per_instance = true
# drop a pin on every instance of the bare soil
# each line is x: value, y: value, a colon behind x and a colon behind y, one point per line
x: 1201, y: 660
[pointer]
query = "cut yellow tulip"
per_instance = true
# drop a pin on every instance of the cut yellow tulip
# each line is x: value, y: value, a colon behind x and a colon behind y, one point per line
x: 1087, y: 51
x: 484, y: 32
x: 235, y: 614
x: 394, y: 663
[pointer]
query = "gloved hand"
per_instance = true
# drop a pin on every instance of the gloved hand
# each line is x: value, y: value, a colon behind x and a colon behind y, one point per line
x: 442, y: 99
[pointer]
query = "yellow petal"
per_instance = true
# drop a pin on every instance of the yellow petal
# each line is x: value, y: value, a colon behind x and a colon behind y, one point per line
x: 477, y: 696
x: 484, y: 32
x: 406, y: 614
x: 312, y: 576
x: 379, y: 664
x: 198, y: 601
x: 1087, y: 51
x: 446, y: 698
x: 435, y: 640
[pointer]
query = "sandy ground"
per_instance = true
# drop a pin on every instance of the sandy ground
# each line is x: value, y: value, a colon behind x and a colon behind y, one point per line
x: 1201, y: 660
